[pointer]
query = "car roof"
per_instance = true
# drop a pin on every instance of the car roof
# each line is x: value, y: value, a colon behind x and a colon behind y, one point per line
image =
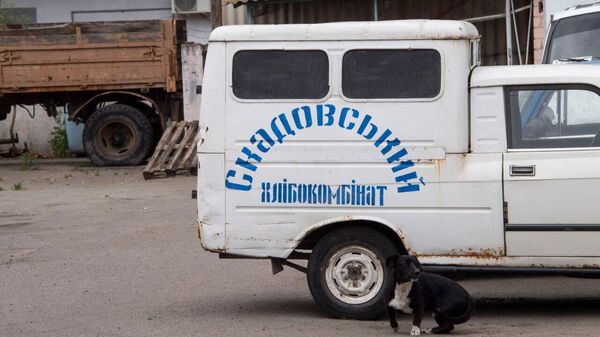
x: 378, y: 30
x: 535, y: 74
x: 577, y: 10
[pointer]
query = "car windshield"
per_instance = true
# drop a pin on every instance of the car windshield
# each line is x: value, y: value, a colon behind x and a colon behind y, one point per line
x: 576, y: 39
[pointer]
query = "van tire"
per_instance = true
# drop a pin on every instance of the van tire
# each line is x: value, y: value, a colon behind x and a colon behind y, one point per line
x: 350, y: 251
x: 118, y: 135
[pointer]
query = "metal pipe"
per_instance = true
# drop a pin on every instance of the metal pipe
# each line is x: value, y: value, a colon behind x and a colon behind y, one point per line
x: 216, y: 14
x: 249, y: 17
x: 508, y: 34
x: 514, y: 19
x: 375, y: 10
x: 528, y: 33
x: 495, y: 16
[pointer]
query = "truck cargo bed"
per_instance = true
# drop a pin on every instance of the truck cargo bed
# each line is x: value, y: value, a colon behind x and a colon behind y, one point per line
x: 89, y: 56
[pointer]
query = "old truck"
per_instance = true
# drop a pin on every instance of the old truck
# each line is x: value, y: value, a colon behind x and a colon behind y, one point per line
x: 122, y: 79
x: 344, y: 143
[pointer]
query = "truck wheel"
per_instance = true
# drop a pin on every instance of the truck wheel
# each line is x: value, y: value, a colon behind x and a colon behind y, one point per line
x: 347, y: 275
x: 118, y: 135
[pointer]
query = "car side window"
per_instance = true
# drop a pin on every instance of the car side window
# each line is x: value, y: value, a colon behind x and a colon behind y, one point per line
x: 553, y: 117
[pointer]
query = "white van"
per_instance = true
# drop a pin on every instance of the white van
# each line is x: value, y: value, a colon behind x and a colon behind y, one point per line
x: 344, y: 143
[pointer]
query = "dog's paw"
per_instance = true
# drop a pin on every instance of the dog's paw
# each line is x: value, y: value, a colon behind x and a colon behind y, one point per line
x: 395, y: 329
x: 415, y: 331
x: 427, y: 331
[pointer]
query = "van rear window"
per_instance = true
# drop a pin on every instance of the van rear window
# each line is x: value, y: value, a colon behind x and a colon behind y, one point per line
x: 280, y: 74
x: 391, y: 73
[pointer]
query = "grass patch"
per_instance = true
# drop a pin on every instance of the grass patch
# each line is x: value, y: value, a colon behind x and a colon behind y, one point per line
x: 18, y: 186
x: 29, y: 162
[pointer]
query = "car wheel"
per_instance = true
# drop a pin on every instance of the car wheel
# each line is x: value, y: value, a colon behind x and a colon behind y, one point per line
x: 347, y: 275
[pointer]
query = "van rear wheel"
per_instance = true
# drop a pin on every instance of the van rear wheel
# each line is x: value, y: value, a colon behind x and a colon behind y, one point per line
x: 346, y: 273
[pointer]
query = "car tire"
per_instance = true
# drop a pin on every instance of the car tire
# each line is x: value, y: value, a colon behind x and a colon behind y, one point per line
x: 118, y: 135
x: 346, y: 273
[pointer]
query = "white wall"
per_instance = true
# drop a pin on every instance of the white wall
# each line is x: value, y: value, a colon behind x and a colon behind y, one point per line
x: 113, y: 10
x: 63, y: 10
x: 36, y: 132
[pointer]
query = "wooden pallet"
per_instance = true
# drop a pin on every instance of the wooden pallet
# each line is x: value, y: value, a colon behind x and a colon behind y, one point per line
x: 175, y: 152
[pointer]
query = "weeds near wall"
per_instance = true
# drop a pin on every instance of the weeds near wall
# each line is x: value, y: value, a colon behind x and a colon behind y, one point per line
x: 29, y: 162
x: 58, y: 142
x: 58, y: 139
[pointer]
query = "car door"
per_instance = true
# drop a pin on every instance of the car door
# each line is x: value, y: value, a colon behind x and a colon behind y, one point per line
x: 552, y: 171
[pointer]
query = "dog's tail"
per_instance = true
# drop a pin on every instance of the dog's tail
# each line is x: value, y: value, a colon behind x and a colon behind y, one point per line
x: 461, y: 318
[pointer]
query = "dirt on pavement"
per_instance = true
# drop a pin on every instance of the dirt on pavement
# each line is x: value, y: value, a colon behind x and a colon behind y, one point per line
x: 88, y: 251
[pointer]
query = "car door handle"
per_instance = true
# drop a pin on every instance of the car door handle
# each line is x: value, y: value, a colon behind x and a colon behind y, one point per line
x: 526, y: 170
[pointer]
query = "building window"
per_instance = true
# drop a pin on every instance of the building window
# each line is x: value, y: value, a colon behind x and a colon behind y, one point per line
x: 391, y: 73
x: 280, y: 74
x: 554, y: 117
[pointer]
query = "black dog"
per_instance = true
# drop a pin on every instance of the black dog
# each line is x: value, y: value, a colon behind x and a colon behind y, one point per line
x: 416, y: 291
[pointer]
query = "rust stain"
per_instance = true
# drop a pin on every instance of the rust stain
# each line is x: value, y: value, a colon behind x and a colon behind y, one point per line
x: 481, y: 253
x: 404, y: 242
x: 590, y: 266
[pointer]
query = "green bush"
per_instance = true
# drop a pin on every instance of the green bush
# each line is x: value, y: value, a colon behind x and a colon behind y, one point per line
x: 58, y: 142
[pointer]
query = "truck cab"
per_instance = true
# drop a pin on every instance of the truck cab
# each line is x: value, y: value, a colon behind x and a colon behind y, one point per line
x: 345, y: 143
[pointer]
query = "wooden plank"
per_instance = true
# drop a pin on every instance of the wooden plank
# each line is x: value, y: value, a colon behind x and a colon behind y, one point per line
x: 166, y: 150
x: 163, y: 140
x: 190, y: 133
x: 191, y: 157
x: 175, y: 153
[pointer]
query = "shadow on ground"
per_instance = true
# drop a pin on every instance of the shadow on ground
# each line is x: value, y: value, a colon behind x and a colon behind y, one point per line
x: 538, y: 306
x: 257, y: 308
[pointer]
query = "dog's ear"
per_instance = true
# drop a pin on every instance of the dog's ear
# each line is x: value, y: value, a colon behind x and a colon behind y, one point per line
x: 391, y: 261
x: 416, y: 262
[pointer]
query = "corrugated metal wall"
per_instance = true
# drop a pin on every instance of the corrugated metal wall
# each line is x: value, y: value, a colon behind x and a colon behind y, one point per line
x: 492, y: 30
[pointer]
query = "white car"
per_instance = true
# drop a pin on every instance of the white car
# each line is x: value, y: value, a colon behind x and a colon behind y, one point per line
x: 344, y: 143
